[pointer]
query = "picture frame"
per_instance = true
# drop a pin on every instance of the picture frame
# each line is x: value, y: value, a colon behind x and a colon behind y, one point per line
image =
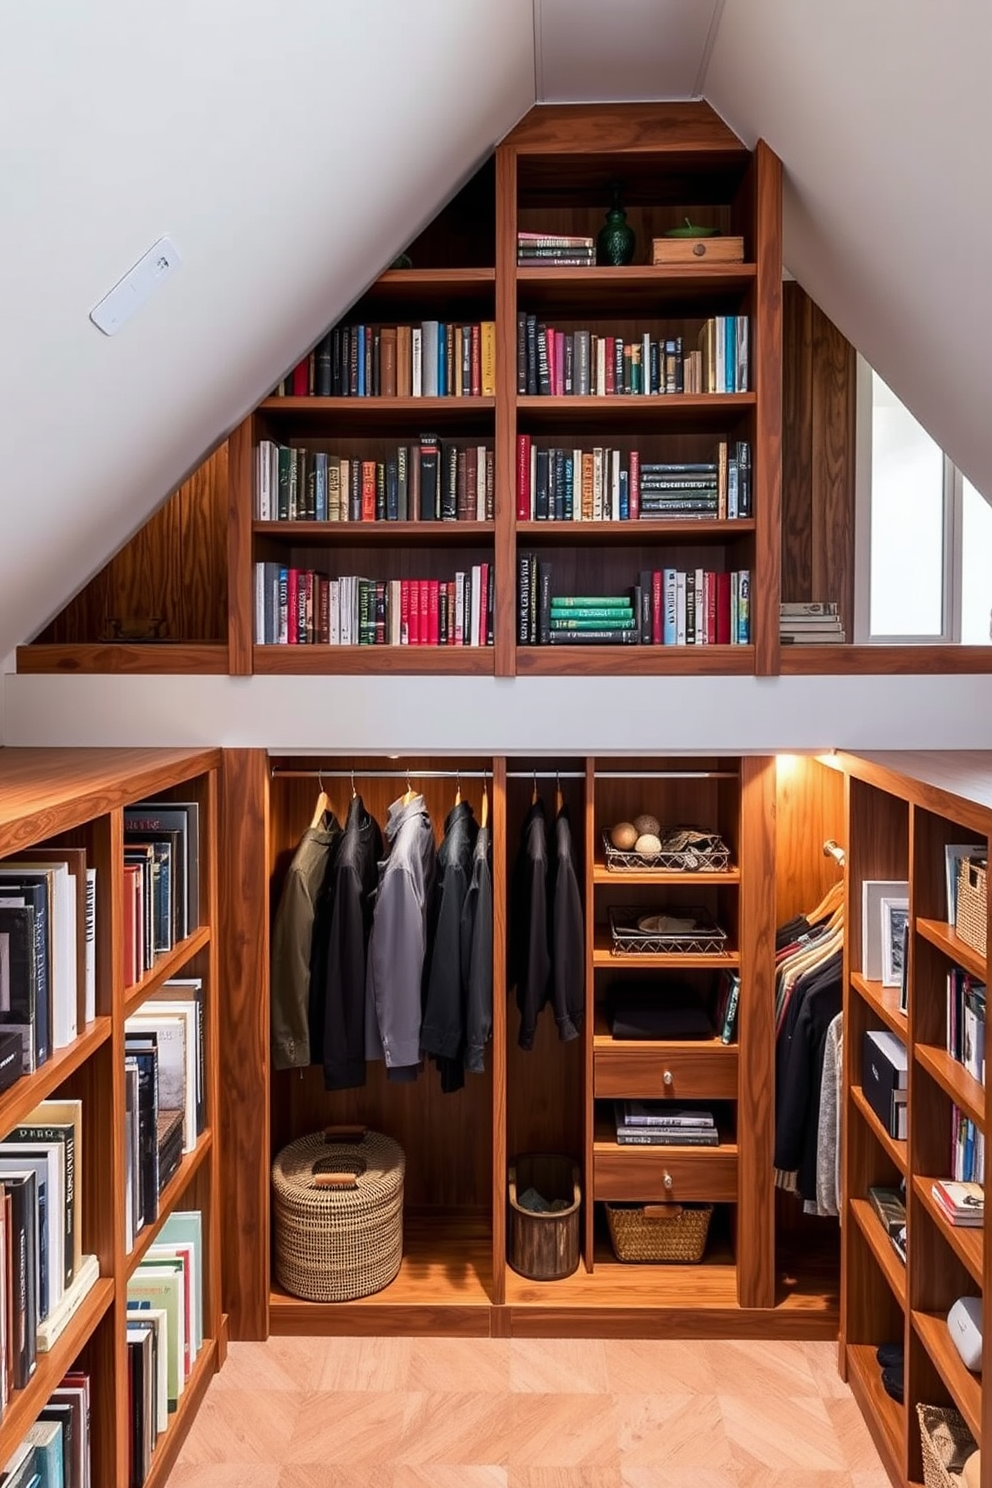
x: 894, y: 923
x: 904, y: 976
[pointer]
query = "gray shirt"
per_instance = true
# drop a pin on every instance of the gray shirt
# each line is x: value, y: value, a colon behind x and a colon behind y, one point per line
x: 398, y: 944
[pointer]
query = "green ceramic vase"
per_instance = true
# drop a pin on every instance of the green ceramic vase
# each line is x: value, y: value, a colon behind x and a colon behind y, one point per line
x: 615, y: 243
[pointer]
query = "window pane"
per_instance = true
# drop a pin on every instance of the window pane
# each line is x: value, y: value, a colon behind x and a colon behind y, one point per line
x: 907, y: 521
x: 976, y: 568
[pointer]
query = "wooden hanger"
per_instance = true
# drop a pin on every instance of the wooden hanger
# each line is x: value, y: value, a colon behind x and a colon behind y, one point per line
x: 533, y: 794
x: 323, y: 805
x: 458, y: 788
x: 484, y: 814
x: 354, y: 793
x: 832, y: 900
x: 409, y: 793
x: 559, y: 798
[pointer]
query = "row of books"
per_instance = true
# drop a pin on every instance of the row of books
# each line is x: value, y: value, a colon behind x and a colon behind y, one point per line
x: 41, y: 1227
x: 55, y: 1452
x: 165, y: 1094
x: 664, y: 607
x: 661, y: 1124
x: 555, y: 250
x: 161, y: 881
x: 604, y: 484
x: 48, y: 968
x: 164, y: 1332
x: 967, y: 1148
x: 810, y: 623
x: 425, y: 482
x: 434, y: 359
x: 556, y: 363
x: 299, y: 607
x: 966, y: 1021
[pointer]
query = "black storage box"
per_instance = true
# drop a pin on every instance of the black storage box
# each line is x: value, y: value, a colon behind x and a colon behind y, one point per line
x: 884, y: 1072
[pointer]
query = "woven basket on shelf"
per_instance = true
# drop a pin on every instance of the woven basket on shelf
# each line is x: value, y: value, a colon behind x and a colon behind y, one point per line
x: 338, y: 1209
x: 659, y: 1232
x: 972, y: 918
x: 946, y: 1443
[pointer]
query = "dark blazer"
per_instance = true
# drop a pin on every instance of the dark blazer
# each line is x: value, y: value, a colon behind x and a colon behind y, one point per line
x: 530, y: 954
x: 568, y: 948
x: 443, y: 1031
x: 292, y: 944
x: 398, y: 942
x: 351, y: 886
x: 477, y: 955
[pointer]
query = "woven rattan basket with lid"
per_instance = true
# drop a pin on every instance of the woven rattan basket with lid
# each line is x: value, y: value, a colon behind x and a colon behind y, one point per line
x: 972, y: 922
x: 338, y: 1206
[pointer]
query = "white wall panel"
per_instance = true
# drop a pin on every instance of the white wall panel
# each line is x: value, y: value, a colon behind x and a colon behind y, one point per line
x: 624, y: 49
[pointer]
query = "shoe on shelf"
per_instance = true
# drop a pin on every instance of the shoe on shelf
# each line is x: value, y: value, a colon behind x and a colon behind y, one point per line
x: 893, y: 1382
x: 890, y: 1354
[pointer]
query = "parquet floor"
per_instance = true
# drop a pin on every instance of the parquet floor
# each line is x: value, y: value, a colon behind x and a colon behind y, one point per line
x: 508, y: 1413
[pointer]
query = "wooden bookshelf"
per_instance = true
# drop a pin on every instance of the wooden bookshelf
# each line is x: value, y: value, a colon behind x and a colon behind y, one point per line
x: 946, y: 939
x: 965, y: 1387
x: 59, y: 797
x: 968, y: 1243
x: 892, y: 1268
x: 884, y: 1001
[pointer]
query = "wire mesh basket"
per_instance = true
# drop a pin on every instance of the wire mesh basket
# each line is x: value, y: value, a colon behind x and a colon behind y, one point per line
x: 688, y: 931
x: 683, y: 850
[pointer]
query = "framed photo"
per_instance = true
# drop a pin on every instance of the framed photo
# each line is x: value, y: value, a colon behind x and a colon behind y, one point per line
x: 904, y: 975
x: 895, y: 920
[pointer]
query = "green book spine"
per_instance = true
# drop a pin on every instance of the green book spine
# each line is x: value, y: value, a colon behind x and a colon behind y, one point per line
x: 590, y: 612
x: 617, y: 621
x: 592, y: 601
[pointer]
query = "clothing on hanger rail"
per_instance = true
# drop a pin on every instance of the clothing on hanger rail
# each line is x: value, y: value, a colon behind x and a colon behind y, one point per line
x: 292, y: 944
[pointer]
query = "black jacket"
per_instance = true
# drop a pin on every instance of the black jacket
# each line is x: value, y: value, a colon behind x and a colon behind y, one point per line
x: 568, y: 947
x: 477, y: 956
x: 817, y: 999
x: 351, y: 885
x: 398, y: 944
x: 292, y: 945
x: 530, y: 954
x: 443, y: 1031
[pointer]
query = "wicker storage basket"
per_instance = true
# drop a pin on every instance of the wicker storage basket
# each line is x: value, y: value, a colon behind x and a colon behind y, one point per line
x: 972, y: 921
x: 544, y: 1247
x: 659, y: 1232
x: 338, y: 1210
x: 946, y: 1443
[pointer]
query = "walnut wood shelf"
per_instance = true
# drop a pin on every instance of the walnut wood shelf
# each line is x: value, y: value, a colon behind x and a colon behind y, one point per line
x: 168, y: 964
x: 633, y: 532
x: 965, y: 1387
x: 946, y: 939
x: 955, y: 1081
x: 24, y: 1405
x: 885, y: 1418
x: 22, y: 1097
x: 967, y: 1242
x: 597, y: 288
x: 197, y: 658
x: 189, y: 1165
x: 893, y: 1269
x: 631, y: 412
x: 371, y: 410
x: 601, y: 874
x: 893, y: 1146
x: 320, y: 661
x: 837, y: 660
x: 362, y: 534
x: 635, y: 661
x: 431, y: 284
x: 885, y: 1002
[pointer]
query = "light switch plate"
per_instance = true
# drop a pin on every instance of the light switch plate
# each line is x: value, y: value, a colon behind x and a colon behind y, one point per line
x: 137, y: 286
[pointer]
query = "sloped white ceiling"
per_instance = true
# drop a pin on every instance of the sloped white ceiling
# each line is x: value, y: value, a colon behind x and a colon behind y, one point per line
x: 880, y: 114
x: 289, y: 150
x: 622, y: 49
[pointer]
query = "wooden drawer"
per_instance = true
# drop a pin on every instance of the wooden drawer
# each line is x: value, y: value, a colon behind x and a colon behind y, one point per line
x: 640, y: 1173
x: 653, y: 1071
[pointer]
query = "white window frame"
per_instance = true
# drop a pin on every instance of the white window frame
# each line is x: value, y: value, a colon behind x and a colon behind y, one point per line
x: 953, y: 527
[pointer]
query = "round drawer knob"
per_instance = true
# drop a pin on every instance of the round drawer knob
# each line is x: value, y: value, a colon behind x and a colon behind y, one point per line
x: 668, y: 1077
x: 668, y: 1180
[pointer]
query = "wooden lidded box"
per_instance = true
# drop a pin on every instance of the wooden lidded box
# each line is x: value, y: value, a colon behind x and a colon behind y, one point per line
x: 719, y: 250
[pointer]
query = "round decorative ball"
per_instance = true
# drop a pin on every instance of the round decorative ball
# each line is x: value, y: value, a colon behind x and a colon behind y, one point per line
x: 648, y: 844
x: 647, y: 823
x: 623, y: 836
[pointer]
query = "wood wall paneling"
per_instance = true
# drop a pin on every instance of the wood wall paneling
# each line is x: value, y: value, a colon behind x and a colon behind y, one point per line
x: 809, y: 810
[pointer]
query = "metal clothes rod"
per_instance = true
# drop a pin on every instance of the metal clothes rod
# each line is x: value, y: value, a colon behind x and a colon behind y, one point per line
x: 666, y: 775
x: 383, y: 774
x: 545, y: 774
x: 832, y: 850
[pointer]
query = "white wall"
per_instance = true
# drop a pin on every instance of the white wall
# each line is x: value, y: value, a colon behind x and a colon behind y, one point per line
x: 553, y: 715
x: 290, y: 151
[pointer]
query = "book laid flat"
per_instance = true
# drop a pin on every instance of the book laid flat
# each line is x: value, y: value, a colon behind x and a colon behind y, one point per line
x: 660, y: 1114
x: 962, y: 1203
x: 889, y: 1206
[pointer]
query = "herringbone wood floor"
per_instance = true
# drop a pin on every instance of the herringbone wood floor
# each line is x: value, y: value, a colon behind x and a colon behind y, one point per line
x: 507, y: 1413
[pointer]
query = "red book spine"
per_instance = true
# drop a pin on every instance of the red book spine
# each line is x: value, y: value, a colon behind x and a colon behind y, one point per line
x: 723, y: 609
x: 404, y: 612
x: 656, y: 619
x: 476, y: 361
x: 424, y: 617
x: 301, y: 378
x: 634, y: 487
x: 523, y: 477
x: 611, y: 354
x: 414, y: 612
x: 292, y: 606
x: 711, y: 582
x: 560, y: 364
x: 368, y: 490
x: 434, y: 613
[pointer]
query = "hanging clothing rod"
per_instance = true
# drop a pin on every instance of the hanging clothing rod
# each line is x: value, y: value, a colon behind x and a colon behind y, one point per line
x: 545, y: 774
x: 666, y: 775
x: 832, y: 850
x: 383, y: 774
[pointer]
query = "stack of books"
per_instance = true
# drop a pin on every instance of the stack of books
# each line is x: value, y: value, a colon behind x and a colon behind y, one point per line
x: 555, y: 251
x: 659, y: 1124
x: 966, y: 1021
x: 889, y: 1205
x: 813, y: 622
x: 609, y: 485
x: 963, y: 1204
